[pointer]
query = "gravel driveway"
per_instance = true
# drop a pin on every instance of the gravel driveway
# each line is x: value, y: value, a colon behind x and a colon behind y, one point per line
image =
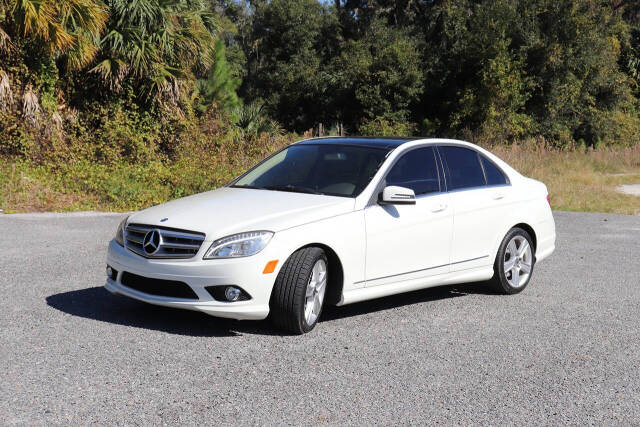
x: 566, y: 351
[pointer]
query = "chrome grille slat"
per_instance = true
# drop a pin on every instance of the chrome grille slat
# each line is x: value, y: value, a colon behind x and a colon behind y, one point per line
x: 134, y: 238
x: 175, y: 244
x: 180, y: 246
x: 139, y: 229
x: 178, y: 235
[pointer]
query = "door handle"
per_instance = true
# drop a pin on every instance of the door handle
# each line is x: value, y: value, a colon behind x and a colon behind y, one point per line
x: 498, y: 196
x: 439, y: 208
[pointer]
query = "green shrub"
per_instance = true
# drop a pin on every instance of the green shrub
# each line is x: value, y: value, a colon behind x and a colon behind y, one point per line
x: 383, y: 127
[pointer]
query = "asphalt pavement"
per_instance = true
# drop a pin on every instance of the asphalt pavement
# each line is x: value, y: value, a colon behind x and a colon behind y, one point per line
x: 565, y: 351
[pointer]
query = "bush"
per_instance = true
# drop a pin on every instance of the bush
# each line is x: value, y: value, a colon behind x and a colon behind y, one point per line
x: 116, y: 157
x: 383, y: 127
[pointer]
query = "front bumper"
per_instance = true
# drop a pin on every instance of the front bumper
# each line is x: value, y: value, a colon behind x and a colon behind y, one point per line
x: 198, y: 274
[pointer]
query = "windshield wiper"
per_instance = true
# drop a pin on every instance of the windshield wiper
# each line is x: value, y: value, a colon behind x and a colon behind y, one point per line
x: 291, y: 188
x: 252, y: 187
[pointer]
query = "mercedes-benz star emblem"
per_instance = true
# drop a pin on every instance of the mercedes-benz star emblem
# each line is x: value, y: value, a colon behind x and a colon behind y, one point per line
x: 152, y: 241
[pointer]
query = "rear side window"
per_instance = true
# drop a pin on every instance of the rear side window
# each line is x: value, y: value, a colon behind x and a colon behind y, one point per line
x: 416, y: 170
x: 493, y: 174
x: 464, y: 167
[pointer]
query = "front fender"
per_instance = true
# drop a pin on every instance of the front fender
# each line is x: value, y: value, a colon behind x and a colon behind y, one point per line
x: 344, y: 234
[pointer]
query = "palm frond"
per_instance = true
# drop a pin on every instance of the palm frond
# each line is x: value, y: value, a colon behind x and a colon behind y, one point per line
x: 83, y: 51
x: 251, y: 120
x: 87, y: 16
x: 161, y: 41
x: 6, y: 94
x: 5, y: 41
x: 112, y: 72
x: 36, y: 17
x: 70, y: 27
x: 30, y: 105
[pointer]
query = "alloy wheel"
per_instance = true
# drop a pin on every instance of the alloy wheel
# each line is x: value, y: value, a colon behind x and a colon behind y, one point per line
x: 316, y: 289
x: 518, y: 261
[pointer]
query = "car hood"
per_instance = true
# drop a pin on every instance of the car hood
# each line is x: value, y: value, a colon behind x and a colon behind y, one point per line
x: 227, y: 210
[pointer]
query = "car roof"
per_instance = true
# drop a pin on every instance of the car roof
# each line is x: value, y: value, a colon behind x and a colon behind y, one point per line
x: 361, y: 141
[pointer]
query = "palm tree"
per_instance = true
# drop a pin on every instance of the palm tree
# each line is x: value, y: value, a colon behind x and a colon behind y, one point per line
x: 251, y: 120
x: 157, y: 45
x: 68, y: 28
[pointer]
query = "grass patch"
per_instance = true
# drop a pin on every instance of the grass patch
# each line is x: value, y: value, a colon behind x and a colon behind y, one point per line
x: 24, y: 188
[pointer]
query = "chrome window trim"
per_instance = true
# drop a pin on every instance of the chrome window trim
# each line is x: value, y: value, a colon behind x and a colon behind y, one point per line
x: 459, y: 190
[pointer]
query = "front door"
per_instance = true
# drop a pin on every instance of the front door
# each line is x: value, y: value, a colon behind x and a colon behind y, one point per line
x: 406, y: 242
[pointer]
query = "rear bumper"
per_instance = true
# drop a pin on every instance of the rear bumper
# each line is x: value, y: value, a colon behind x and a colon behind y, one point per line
x: 542, y: 254
x: 546, y: 231
x: 198, y: 274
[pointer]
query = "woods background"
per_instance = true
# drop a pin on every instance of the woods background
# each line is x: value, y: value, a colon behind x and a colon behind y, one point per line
x: 120, y: 104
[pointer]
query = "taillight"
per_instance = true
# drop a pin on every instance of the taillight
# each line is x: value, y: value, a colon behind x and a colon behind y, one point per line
x: 549, y: 199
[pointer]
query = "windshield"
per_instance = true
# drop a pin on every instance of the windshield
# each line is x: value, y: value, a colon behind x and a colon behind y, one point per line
x: 331, y: 169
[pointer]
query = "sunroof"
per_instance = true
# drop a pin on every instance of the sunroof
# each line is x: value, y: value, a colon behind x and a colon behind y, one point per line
x: 383, y: 142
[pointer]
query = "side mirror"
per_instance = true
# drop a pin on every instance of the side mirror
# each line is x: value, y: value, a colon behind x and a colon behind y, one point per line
x: 393, y: 195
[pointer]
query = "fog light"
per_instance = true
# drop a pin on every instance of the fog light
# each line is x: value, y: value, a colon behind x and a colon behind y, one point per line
x: 232, y: 293
x: 112, y: 273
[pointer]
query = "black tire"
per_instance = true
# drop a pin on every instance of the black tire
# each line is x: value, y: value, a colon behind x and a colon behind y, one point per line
x: 288, y: 295
x: 500, y: 282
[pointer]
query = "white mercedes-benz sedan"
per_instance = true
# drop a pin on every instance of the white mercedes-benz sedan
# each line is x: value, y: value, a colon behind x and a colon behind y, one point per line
x: 337, y: 221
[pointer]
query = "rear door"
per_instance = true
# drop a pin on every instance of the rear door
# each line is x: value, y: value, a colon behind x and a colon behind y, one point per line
x: 480, y: 195
x: 406, y: 242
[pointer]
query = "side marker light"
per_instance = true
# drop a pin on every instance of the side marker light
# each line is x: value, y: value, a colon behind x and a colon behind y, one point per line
x: 270, y: 267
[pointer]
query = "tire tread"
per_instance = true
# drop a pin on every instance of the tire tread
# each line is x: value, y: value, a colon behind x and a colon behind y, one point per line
x: 499, y: 282
x: 287, y: 297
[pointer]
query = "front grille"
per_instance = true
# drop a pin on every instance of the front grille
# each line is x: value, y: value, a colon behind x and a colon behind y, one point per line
x: 158, y: 287
x: 173, y: 243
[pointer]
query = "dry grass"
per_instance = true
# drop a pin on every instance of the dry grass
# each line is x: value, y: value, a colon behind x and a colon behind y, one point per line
x: 580, y: 179
x: 60, y: 184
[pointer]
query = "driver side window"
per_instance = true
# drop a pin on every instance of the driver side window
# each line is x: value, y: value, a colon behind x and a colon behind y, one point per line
x: 416, y: 170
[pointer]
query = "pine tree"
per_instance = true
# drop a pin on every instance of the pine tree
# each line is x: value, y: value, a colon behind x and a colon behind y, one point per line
x: 220, y: 86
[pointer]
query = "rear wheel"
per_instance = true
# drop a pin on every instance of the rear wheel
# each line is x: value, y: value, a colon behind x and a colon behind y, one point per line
x: 514, y: 262
x: 299, y: 291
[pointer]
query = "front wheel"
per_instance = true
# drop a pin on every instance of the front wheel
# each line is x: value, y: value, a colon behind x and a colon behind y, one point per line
x: 514, y: 262
x: 299, y: 291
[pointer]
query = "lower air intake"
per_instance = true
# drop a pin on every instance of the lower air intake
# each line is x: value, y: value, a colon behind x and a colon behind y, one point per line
x: 158, y: 287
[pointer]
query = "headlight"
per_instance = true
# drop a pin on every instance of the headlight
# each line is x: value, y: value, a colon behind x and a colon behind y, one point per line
x: 120, y: 232
x: 239, y: 245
